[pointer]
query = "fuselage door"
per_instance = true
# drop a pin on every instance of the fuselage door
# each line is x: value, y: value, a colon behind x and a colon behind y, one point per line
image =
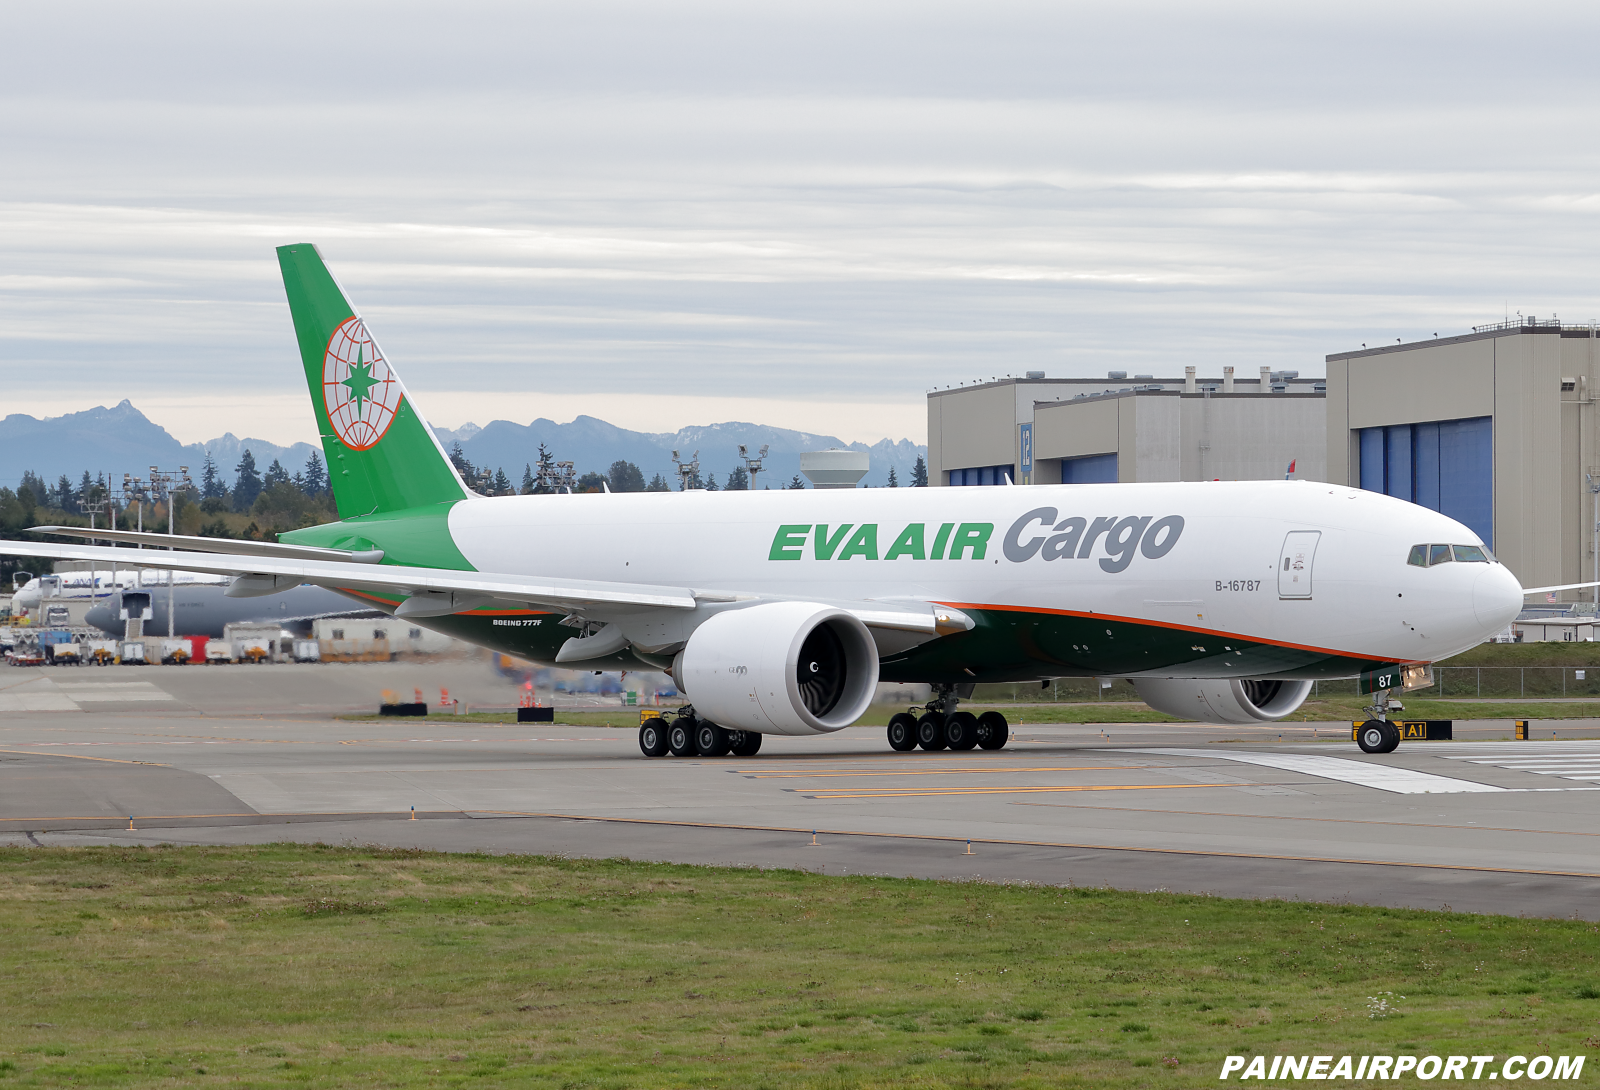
x: 1294, y: 566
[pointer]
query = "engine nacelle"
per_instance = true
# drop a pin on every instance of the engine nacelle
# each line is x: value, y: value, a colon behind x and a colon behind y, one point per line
x: 780, y: 668
x: 1235, y: 700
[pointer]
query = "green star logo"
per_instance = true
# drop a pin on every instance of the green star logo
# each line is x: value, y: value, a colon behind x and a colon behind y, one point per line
x: 360, y: 383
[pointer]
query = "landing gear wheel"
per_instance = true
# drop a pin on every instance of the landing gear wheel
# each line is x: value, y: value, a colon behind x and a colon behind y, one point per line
x: 1376, y: 736
x: 711, y: 740
x: 993, y: 730
x: 902, y: 732
x: 745, y: 743
x: 961, y: 731
x: 680, y: 739
x: 653, y: 737
x: 930, y: 731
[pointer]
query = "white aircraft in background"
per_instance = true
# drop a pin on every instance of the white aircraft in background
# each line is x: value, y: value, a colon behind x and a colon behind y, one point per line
x: 777, y: 612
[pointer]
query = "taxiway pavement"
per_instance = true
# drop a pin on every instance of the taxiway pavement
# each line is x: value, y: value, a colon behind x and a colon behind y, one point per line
x: 1293, y: 811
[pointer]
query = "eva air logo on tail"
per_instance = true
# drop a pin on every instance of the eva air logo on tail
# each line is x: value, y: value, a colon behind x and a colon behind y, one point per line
x: 360, y: 392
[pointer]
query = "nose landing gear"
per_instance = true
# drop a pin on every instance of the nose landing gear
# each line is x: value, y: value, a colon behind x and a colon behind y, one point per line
x: 1377, y: 734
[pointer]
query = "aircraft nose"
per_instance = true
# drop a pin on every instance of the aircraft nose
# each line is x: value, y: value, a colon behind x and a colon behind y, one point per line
x: 102, y: 617
x: 1496, y: 598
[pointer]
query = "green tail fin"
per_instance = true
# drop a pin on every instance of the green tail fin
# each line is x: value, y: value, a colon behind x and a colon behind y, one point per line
x: 381, y: 453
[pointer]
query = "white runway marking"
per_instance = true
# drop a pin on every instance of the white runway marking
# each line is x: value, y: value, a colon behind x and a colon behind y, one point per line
x: 1584, y: 766
x: 1401, y: 781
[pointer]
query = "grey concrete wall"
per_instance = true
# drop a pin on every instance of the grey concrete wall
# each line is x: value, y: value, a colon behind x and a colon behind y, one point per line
x: 1189, y: 437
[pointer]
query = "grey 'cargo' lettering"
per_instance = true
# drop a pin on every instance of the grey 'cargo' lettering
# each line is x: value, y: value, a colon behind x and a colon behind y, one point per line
x: 1038, y: 533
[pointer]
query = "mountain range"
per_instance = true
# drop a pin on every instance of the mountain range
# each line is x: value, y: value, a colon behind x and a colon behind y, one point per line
x: 122, y: 440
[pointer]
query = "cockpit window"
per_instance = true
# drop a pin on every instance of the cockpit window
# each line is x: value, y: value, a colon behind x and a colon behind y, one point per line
x: 1426, y: 556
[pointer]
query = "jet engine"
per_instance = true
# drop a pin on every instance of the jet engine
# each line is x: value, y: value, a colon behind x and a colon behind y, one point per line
x: 1235, y: 700
x: 780, y: 668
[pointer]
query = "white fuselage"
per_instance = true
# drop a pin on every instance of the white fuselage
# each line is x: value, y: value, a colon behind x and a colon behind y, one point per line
x: 1353, y: 592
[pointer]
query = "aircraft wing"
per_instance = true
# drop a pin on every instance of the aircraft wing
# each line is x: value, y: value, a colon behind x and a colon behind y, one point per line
x: 434, y: 592
x: 263, y: 575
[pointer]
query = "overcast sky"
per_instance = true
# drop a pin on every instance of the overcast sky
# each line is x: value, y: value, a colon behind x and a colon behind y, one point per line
x: 804, y: 215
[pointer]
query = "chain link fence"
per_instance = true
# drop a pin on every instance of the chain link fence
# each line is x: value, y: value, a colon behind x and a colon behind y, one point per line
x: 1458, y: 682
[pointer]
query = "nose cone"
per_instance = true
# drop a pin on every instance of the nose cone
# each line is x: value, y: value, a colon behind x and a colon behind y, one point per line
x: 103, y: 616
x: 1496, y: 598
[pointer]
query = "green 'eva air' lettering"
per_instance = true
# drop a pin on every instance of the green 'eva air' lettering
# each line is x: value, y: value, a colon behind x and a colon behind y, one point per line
x: 822, y: 546
x: 968, y: 540
x: 909, y: 543
x: 864, y: 543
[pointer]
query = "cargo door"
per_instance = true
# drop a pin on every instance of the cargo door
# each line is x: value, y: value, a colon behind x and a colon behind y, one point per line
x: 1294, y: 566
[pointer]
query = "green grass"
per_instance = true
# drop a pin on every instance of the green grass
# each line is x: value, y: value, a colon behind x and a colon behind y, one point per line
x: 287, y: 966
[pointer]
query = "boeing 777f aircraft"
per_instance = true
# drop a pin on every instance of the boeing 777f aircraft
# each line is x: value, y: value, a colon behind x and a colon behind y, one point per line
x: 777, y: 612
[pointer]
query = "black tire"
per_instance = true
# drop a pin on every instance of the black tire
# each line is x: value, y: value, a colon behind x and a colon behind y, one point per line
x: 653, y: 738
x: 1376, y: 736
x: 930, y: 731
x: 680, y: 739
x: 993, y: 730
x: 961, y: 731
x: 711, y: 740
x: 902, y: 732
x: 746, y: 743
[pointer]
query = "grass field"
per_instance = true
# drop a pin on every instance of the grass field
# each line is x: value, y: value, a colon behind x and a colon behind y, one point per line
x: 308, y: 966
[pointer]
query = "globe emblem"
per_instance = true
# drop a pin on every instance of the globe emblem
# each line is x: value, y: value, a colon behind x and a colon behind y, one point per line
x: 360, y: 392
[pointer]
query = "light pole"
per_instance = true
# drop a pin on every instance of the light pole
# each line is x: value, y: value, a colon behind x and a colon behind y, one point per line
x: 687, y: 471
x: 161, y: 484
x: 751, y: 465
x: 95, y: 507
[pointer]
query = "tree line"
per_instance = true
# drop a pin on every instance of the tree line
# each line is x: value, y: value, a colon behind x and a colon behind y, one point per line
x: 543, y: 477
x: 258, y: 504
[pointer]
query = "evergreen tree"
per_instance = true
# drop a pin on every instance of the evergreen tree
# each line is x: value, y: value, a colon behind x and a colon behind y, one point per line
x: 38, y: 491
x: 738, y: 480
x: 66, y: 498
x: 543, y: 469
x: 796, y: 483
x: 894, y: 482
x: 247, y: 486
x: 85, y: 490
x: 211, y: 486
x: 625, y: 477
x: 502, y: 483
x: 591, y: 482
x: 276, y: 475
x: 527, y: 479
x: 711, y: 483
x: 919, y: 474
x: 658, y: 483
x: 315, y: 476
x: 459, y: 459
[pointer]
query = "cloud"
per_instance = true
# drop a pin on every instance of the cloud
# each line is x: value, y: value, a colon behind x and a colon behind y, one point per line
x: 823, y: 209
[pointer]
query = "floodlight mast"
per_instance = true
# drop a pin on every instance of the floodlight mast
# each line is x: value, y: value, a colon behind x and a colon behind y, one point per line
x: 161, y: 484
x: 687, y: 471
x: 752, y: 465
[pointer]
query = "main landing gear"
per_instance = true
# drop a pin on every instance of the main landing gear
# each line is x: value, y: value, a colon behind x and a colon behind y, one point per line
x: 687, y: 735
x: 942, y: 725
x: 1377, y: 734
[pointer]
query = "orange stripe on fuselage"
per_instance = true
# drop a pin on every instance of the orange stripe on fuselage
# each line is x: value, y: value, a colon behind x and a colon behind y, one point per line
x: 1149, y: 623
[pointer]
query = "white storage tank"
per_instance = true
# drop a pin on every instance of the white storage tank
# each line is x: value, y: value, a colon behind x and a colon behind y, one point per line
x: 834, y: 468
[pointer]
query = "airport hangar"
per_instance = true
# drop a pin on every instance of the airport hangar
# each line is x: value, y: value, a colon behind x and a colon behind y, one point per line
x: 1497, y: 428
